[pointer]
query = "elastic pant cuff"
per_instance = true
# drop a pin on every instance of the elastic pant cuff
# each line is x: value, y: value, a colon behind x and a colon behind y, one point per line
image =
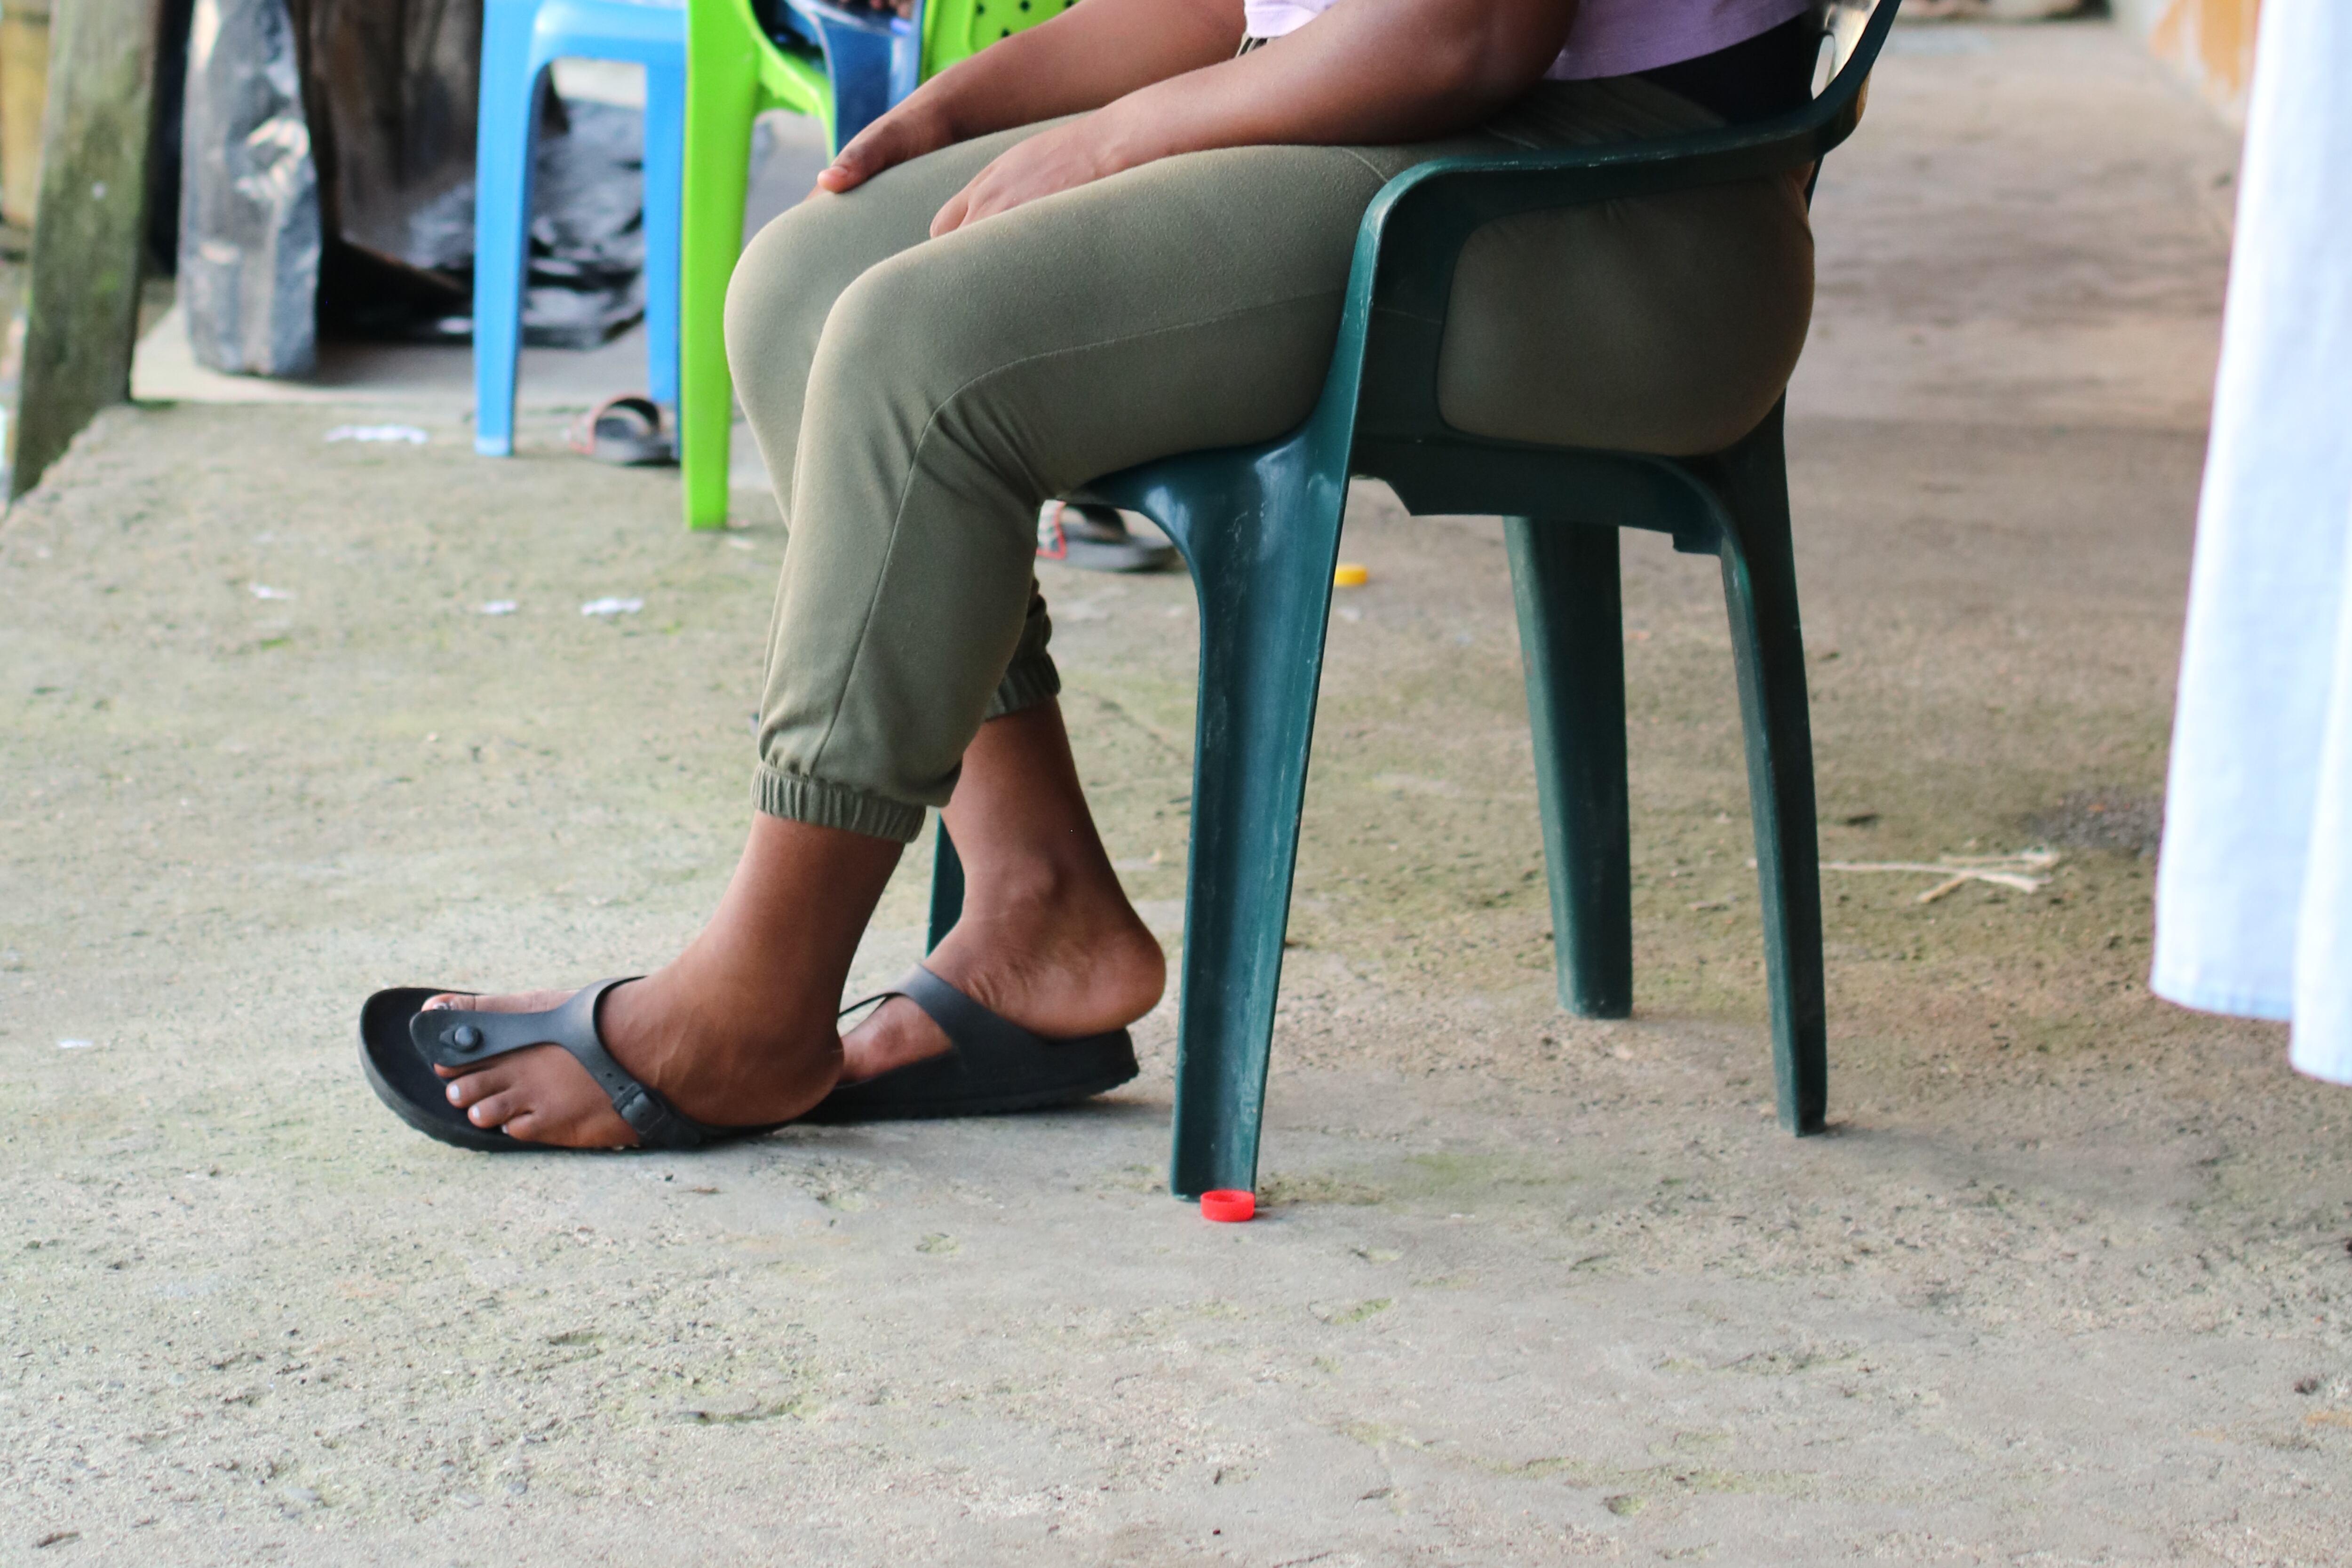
x: 823, y: 804
x: 1032, y: 679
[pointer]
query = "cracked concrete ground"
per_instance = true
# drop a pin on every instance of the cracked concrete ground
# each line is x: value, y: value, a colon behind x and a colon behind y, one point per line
x: 2066, y: 1282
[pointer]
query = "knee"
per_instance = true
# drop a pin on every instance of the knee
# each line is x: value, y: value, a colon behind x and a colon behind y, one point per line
x: 785, y: 282
x: 910, y: 330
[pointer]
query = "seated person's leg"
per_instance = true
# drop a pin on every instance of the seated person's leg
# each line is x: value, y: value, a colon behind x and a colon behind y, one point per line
x: 1023, y: 356
x: 951, y: 388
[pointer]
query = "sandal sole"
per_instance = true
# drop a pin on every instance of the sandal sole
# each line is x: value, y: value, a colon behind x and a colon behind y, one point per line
x: 408, y: 1085
x: 1091, y: 1066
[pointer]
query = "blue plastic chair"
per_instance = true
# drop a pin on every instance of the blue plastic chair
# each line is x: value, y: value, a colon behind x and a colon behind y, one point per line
x: 520, y: 40
x: 870, y: 61
x: 1259, y: 527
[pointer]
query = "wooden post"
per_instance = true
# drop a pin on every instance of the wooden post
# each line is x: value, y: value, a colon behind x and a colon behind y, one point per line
x: 82, y: 297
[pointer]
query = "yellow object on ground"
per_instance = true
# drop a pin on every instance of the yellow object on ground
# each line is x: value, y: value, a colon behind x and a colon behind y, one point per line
x: 1348, y: 574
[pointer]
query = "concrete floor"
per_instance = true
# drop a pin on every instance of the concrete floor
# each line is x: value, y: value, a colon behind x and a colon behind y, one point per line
x: 2068, y: 1282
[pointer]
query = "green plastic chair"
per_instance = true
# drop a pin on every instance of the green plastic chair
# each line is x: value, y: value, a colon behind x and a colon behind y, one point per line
x: 1259, y: 527
x: 734, y: 73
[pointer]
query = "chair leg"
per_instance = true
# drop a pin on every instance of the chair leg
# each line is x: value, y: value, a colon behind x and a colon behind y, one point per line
x: 665, y: 165
x: 1261, y: 539
x: 1759, y: 585
x: 721, y: 88
x: 508, y: 114
x: 1565, y: 579
x: 947, y: 888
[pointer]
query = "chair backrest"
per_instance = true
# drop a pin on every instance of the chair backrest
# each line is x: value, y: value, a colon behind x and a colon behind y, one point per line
x: 956, y: 30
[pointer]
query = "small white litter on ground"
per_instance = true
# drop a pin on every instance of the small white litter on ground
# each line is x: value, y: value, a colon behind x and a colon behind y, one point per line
x: 499, y: 608
x: 74, y: 1045
x: 1958, y: 870
x: 612, y: 606
x: 407, y: 433
x: 264, y: 591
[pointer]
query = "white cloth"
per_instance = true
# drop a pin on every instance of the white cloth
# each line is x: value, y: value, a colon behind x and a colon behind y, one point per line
x: 1609, y: 37
x: 2254, y: 897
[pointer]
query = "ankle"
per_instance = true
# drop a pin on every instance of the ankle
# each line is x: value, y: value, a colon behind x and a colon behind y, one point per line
x: 1038, y: 890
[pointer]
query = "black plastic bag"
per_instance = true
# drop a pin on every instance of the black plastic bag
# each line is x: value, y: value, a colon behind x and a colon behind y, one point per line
x: 357, y: 217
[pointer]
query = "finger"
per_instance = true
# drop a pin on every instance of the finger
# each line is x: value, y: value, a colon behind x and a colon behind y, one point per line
x: 868, y: 154
x: 951, y: 217
x: 999, y: 198
x: 889, y: 141
x: 845, y: 173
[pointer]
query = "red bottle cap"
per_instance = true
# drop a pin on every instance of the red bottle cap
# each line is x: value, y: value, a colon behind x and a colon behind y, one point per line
x: 1228, y: 1205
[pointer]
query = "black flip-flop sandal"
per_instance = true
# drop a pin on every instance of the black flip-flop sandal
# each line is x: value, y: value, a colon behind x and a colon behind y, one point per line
x: 626, y: 431
x: 993, y: 1066
x: 1095, y: 539
x: 400, y: 1044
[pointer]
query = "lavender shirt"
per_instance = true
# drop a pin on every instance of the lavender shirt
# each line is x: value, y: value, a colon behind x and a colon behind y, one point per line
x: 1609, y: 37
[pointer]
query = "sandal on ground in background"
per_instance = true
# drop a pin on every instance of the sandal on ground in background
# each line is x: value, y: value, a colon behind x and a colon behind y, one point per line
x: 400, y: 1045
x: 627, y: 431
x: 993, y: 1066
x: 1094, y: 538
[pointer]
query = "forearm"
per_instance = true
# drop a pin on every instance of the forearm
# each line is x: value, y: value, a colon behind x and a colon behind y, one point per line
x: 1089, y: 56
x: 1366, y: 71
x: 1152, y: 78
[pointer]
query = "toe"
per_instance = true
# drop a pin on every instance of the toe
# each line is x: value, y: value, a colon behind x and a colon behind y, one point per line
x: 479, y: 1084
x: 539, y: 1096
x: 593, y: 1132
x: 497, y: 1109
x: 510, y: 1002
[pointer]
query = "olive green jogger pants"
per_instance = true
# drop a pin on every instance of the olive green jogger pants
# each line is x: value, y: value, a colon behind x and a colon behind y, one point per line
x: 917, y: 399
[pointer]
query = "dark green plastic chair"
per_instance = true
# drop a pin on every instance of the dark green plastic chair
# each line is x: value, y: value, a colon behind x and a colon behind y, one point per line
x: 1259, y: 527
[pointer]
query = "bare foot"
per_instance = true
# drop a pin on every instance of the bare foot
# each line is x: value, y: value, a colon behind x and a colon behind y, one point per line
x: 531, y: 1093
x: 1062, y: 963
x: 737, y: 1031
x: 1047, y: 938
x: 723, y: 1068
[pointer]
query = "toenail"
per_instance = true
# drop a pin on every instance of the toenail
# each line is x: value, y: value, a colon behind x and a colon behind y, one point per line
x: 453, y: 1095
